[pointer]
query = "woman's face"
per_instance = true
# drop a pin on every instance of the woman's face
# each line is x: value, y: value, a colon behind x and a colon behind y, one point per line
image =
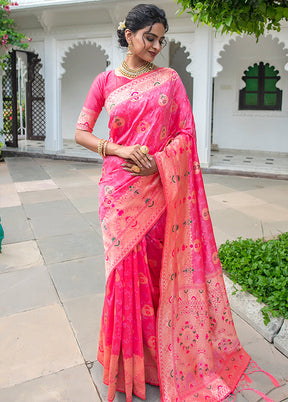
x: 147, y: 43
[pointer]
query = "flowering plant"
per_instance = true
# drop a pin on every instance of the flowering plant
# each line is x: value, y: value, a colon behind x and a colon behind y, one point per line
x: 7, y: 119
x: 9, y: 36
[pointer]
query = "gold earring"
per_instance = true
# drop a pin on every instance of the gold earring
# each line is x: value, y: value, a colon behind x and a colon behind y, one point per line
x: 130, y: 47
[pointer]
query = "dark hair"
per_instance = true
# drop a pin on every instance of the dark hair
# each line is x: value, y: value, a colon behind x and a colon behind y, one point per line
x: 139, y: 17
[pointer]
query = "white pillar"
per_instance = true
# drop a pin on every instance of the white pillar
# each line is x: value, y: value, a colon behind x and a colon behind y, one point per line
x: 53, y: 140
x: 202, y: 92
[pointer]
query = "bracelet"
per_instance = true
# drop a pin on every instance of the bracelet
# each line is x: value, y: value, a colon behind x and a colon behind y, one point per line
x: 100, y: 147
x: 104, y: 148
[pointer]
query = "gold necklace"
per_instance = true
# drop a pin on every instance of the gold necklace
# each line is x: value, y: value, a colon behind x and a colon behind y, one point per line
x: 133, y: 73
x: 132, y: 70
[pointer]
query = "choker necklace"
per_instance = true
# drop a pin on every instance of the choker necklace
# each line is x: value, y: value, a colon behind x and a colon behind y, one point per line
x: 130, y: 73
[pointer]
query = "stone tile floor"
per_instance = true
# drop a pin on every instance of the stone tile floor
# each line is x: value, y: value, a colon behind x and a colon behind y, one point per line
x: 70, y: 149
x: 249, y: 161
x: 52, y: 276
x: 268, y: 163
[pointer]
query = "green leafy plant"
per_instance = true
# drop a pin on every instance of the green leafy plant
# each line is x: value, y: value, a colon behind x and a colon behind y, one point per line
x: 9, y: 36
x: 238, y: 16
x: 261, y: 268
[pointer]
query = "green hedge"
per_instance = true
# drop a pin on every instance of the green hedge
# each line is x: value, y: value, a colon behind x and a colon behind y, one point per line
x: 261, y: 268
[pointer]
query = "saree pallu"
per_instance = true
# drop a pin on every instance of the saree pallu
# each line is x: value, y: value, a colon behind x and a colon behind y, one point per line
x: 158, y: 239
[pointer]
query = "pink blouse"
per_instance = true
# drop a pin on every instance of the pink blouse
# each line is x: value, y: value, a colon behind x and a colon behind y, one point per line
x: 102, y: 86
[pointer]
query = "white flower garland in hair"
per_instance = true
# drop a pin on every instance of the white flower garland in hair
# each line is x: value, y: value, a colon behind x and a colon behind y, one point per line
x: 121, y: 26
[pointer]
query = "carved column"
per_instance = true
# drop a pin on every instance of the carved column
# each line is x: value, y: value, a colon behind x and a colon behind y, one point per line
x: 53, y: 141
x: 202, y: 91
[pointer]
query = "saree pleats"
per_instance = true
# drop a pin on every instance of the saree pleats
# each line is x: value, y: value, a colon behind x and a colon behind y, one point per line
x: 127, y: 346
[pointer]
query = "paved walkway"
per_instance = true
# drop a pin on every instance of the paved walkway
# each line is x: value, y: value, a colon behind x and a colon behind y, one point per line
x: 52, y: 276
x: 233, y: 161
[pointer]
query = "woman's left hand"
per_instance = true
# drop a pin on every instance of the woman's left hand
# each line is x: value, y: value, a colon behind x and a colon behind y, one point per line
x: 144, y: 171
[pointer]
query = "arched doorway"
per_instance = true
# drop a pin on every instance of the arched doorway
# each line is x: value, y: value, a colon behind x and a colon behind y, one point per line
x: 23, y: 95
x: 82, y: 64
x: 179, y: 60
x: 245, y: 129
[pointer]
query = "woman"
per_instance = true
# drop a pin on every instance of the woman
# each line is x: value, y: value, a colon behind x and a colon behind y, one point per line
x: 166, y: 318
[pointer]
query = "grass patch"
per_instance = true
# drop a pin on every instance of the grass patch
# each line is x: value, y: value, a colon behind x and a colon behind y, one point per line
x: 261, y: 268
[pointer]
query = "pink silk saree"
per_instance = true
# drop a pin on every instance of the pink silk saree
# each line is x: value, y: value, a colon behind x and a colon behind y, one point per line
x: 166, y: 317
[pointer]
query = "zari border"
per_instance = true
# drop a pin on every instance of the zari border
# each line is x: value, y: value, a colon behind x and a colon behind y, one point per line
x: 135, y: 89
x: 130, y: 217
x: 194, y: 318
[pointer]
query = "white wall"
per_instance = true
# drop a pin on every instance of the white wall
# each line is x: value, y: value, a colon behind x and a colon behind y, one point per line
x: 252, y: 130
x: 82, y: 64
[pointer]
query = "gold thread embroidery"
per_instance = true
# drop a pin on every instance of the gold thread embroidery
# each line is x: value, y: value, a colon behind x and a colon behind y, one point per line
x: 135, y: 89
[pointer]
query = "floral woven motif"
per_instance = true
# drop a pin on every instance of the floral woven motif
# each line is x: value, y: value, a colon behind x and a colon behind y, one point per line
x: 200, y: 356
x: 166, y: 317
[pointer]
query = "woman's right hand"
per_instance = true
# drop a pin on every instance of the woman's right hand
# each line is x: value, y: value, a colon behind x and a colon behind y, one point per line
x: 130, y: 153
x: 133, y: 154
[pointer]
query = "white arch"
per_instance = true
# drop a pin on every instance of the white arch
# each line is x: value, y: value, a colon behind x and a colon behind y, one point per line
x: 64, y: 47
x: 186, y: 41
x: 186, y: 52
x: 282, y: 38
x: 38, y: 49
x: 221, y: 43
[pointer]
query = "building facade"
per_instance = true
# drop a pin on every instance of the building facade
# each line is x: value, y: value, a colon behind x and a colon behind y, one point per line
x: 238, y: 88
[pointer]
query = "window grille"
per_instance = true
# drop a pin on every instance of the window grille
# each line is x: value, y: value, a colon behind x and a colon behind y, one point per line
x: 260, y: 92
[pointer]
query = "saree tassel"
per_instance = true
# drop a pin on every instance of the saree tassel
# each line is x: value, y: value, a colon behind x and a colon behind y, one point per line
x: 263, y: 396
x: 273, y: 379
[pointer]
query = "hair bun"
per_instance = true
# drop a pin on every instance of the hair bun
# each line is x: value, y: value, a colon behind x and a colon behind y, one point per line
x: 141, y: 16
x: 121, y: 38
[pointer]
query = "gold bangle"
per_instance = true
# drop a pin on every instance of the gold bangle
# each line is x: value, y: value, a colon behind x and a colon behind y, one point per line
x: 100, y: 147
x: 104, y: 148
x: 103, y: 142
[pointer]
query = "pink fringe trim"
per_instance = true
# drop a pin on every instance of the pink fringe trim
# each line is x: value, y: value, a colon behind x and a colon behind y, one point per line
x: 243, y: 384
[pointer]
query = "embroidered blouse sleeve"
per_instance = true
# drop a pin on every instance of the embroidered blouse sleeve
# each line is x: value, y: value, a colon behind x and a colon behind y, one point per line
x: 93, y: 105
